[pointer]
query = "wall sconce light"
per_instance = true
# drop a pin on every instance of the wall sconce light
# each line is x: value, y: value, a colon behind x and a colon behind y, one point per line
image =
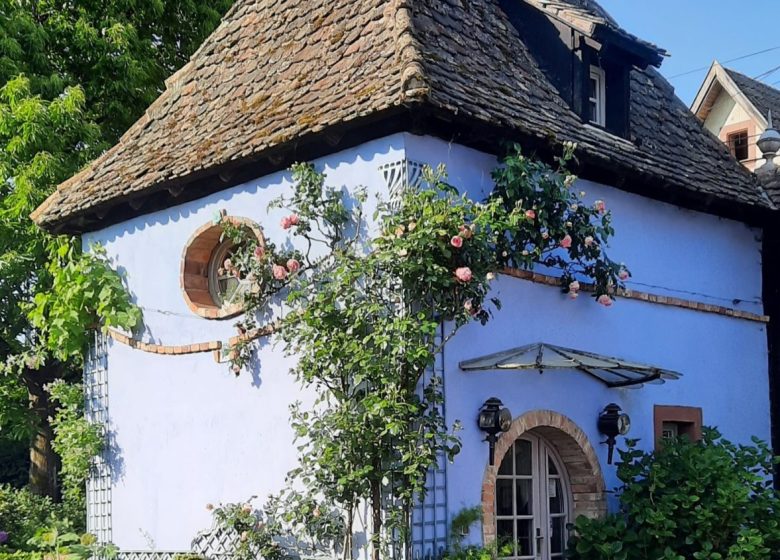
x: 613, y: 422
x: 493, y: 419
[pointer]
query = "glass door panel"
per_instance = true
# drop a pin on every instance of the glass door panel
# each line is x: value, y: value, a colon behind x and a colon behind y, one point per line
x: 532, y: 502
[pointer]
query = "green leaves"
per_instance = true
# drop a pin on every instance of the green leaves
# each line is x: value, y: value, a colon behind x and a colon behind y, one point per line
x: 77, y: 441
x: 85, y: 293
x: 710, y: 499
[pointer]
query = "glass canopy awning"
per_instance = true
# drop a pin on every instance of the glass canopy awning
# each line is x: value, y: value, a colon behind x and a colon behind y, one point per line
x: 613, y: 372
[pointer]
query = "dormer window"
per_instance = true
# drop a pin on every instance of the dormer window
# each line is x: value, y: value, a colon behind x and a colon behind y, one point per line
x: 597, y: 97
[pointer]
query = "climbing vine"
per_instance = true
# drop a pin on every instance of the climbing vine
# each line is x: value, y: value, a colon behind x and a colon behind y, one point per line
x: 371, y: 303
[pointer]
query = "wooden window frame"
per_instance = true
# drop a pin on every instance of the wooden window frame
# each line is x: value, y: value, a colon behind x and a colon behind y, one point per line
x: 752, y: 132
x: 601, y: 95
x: 689, y: 420
x: 731, y: 143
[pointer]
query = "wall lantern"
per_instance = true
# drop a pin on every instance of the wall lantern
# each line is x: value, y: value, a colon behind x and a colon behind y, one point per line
x: 613, y: 422
x: 493, y: 419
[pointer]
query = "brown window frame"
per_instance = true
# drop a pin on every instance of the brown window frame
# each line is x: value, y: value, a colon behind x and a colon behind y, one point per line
x: 731, y: 140
x: 689, y: 420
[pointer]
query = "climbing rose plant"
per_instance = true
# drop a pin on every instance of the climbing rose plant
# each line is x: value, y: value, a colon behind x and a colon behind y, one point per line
x: 369, y: 306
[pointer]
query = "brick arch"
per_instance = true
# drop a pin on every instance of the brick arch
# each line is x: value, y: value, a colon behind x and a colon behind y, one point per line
x: 575, y: 451
x: 195, y: 264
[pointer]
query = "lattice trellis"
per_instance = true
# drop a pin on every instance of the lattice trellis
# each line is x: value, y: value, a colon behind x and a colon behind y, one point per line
x: 399, y: 176
x: 430, y: 525
x: 148, y: 555
x: 96, y: 412
x: 216, y: 543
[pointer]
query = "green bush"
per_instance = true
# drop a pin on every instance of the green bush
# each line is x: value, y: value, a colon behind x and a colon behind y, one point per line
x: 20, y: 555
x: 706, y: 500
x: 22, y: 513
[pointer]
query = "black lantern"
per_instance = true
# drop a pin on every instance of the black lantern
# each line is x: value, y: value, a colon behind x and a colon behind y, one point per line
x: 493, y: 419
x: 613, y: 422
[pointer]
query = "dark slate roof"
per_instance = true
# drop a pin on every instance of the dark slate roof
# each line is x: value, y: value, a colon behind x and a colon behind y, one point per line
x: 587, y: 16
x: 278, y: 71
x: 763, y: 97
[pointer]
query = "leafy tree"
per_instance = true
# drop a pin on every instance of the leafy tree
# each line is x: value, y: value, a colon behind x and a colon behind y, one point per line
x: 709, y: 500
x: 74, y: 76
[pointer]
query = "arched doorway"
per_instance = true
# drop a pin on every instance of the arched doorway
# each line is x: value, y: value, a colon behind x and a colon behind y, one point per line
x: 546, y: 474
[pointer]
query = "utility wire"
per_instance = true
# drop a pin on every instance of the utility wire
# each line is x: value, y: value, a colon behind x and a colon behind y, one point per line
x: 724, y: 62
x: 768, y: 73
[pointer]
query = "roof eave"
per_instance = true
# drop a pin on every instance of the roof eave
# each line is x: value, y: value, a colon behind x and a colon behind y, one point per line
x: 416, y: 118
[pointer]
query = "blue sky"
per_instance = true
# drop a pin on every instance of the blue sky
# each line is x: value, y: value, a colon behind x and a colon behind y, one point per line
x: 697, y: 31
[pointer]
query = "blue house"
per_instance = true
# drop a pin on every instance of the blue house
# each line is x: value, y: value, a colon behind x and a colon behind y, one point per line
x: 370, y: 92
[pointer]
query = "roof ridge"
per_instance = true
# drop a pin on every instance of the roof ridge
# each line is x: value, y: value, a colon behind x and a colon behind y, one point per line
x: 414, y: 85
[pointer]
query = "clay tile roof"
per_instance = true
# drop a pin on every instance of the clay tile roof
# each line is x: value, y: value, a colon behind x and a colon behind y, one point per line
x: 277, y: 71
x: 764, y: 98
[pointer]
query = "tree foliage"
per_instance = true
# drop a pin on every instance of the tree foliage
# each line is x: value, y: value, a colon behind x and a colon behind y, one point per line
x: 709, y: 500
x: 367, y: 318
x: 74, y: 76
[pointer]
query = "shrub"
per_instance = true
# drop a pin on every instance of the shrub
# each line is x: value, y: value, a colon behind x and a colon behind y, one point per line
x: 690, y: 500
x: 22, y: 513
x: 20, y: 555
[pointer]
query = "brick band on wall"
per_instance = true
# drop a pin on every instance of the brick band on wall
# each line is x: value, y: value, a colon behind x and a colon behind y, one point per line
x: 196, y: 348
x: 642, y: 296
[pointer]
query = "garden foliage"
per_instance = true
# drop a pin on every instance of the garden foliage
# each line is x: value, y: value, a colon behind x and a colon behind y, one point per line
x: 74, y: 75
x: 710, y: 500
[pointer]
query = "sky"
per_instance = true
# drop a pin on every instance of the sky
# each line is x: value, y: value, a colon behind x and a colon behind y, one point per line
x: 695, y: 32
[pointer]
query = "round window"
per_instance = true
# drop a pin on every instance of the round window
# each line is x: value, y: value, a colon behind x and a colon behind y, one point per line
x: 211, y: 287
x: 225, y: 287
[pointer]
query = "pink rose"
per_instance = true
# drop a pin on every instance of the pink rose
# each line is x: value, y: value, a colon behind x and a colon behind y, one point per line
x: 456, y: 241
x: 605, y: 300
x: 259, y: 252
x: 290, y: 221
x: 588, y: 241
x: 279, y: 272
x: 470, y: 308
x: 530, y: 214
x: 624, y: 274
x: 566, y: 241
x: 293, y: 265
x: 466, y: 232
x: 463, y: 274
x: 600, y: 206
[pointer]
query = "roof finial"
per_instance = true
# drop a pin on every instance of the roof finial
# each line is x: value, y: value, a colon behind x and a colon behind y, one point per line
x: 769, y: 142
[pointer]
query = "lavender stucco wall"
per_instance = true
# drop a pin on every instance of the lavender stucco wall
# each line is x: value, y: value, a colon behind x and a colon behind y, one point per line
x: 187, y: 432
x: 670, y: 251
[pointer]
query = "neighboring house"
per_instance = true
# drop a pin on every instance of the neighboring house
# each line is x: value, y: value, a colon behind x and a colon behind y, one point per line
x: 370, y: 91
x: 736, y: 109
